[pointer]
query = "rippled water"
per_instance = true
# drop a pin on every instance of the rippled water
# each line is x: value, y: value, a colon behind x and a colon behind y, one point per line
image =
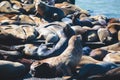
x: 110, y: 8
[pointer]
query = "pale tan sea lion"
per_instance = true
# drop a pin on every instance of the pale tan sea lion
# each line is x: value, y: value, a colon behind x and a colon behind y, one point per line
x: 70, y: 8
x: 5, y: 7
x: 49, y: 35
x: 12, y: 34
x: 63, y: 64
x: 113, y: 56
x: 113, y: 27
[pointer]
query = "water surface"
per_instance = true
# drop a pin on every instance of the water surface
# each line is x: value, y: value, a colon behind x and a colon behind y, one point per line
x: 110, y: 8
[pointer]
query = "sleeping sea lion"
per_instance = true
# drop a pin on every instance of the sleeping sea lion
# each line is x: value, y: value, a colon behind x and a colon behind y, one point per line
x: 113, y: 56
x: 5, y: 7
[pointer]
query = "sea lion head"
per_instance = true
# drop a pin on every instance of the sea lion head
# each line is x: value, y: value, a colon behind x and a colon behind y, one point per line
x: 41, y: 7
x: 68, y: 31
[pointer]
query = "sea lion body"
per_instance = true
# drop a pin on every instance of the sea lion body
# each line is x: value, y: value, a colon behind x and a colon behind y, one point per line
x: 63, y: 64
x: 64, y: 35
x: 98, y: 54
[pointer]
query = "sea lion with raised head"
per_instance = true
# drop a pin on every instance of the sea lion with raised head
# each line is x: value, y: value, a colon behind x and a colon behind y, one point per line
x: 50, y: 13
x: 63, y: 64
x: 114, y: 47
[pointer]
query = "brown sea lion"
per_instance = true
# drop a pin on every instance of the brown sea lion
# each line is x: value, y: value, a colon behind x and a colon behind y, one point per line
x: 16, y: 4
x: 12, y: 34
x: 50, y: 13
x: 89, y: 70
x: 49, y: 35
x: 86, y: 60
x: 64, y: 34
x: 70, y: 8
x: 104, y: 35
x: 98, y: 54
x: 11, y: 70
x: 112, y: 74
x: 38, y: 21
x: 63, y: 64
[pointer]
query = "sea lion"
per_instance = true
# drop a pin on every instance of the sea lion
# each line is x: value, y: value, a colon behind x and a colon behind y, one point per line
x: 113, y: 20
x: 12, y: 34
x: 5, y: 7
x: 113, y: 74
x: 38, y: 21
x: 79, y: 30
x: 16, y: 4
x: 64, y: 35
x: 90, y: 36
x: 98, y: 54
x: 50, y: 13
x: 49, y: 35
x: 114, y: 47
x: 113, y: 56
x: 104, y: 35
x: 95, y: 69
x: 64, y: 64
x: 114, y: 28
x: 11, y: 70
x: 86, y: 60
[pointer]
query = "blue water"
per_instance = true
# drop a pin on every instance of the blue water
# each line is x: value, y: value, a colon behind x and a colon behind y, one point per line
x: 109, y: 8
